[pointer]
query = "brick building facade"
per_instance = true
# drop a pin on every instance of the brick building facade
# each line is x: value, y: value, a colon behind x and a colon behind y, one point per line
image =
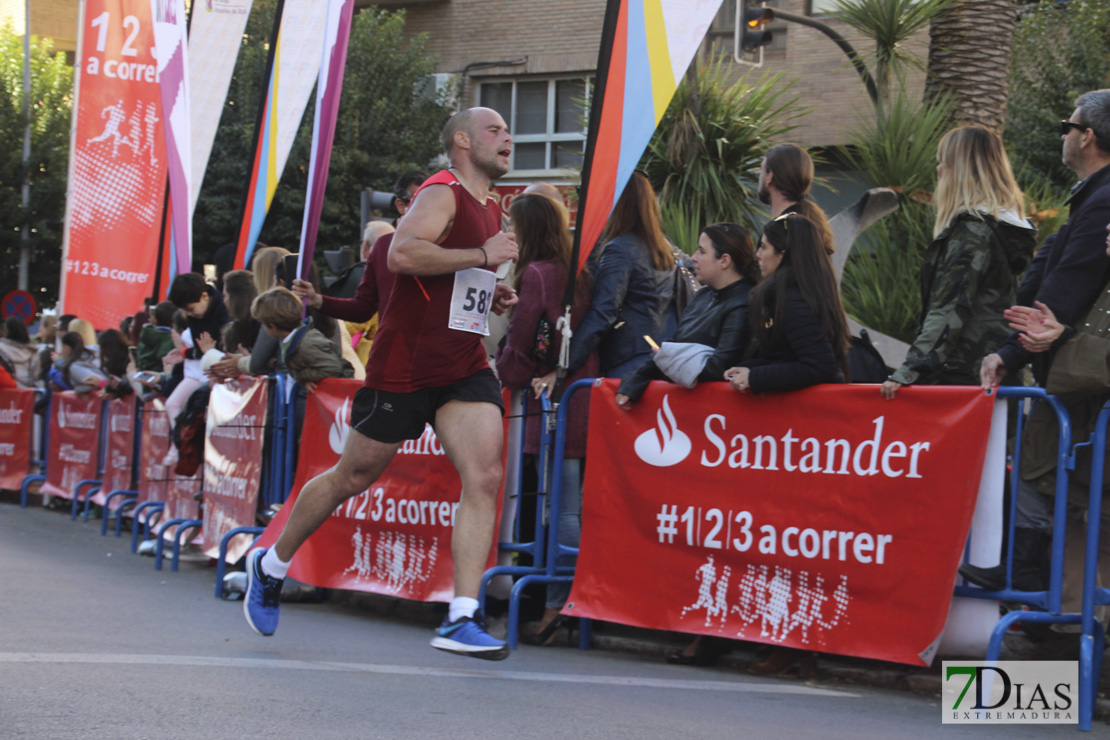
x: 502, y: 52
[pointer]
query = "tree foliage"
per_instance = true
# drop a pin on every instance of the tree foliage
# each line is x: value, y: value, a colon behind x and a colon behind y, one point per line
x: 1060, y: 52
x: 704, y: 157
x: 385, y: 126
x: 51, y: 106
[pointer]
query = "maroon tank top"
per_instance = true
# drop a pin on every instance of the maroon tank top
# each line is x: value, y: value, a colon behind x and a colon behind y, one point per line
x: 414, y: 348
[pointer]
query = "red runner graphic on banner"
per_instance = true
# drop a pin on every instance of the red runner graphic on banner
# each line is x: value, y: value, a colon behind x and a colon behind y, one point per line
x: 395, y: 537
x: 233, y: 462
x: 121, y: 446
x: 74, y: 442
x: 16, y: 407
x: 826, y: 519
x: 117, y: 173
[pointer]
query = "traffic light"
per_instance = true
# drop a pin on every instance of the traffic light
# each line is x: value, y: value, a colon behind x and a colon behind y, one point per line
x: 752, y: 20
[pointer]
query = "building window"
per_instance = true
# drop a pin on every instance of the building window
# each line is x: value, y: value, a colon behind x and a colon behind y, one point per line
x: 547, y: 118
x: 822, y: 7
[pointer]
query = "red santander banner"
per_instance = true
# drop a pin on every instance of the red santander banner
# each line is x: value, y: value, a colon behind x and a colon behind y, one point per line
x: 117, y: 174
x: 233, y: 461
x: 121, y: 446
x: 826, y: 519
x: 74, y: 442
x: 153, y: 446
x: 395, y: 537
x: 16, y: 407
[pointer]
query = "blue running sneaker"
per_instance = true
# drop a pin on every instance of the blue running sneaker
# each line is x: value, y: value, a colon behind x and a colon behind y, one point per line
x: 263, y: 599
x: 468, y: 636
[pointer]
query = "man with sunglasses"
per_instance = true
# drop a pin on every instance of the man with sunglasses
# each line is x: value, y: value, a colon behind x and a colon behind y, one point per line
x: 1068, y: 274
x: 1071, y: 268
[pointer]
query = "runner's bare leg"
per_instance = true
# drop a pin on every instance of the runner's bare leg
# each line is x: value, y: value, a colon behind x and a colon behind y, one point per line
x: 361, y: 464
x: 472, y: 436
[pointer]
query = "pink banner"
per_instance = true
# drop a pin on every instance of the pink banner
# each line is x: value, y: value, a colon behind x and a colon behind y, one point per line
x: 74, y: 442
x: 233, y: 461
x: 328, y: 89
x: 170, y: 35
x: 16, y: 428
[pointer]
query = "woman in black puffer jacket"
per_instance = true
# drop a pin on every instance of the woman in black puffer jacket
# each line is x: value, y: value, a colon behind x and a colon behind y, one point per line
x: 716, y: 317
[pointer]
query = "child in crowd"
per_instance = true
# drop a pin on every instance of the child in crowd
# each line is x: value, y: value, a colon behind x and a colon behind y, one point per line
x: 309, y: 355
x: 156, y: 338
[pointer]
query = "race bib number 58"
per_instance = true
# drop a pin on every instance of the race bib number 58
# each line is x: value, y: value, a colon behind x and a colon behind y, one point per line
x: 471, y: 300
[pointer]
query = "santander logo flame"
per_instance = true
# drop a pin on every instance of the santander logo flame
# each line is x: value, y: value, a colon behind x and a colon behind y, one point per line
x: 62, y: 416
x: 665, y: 445
x: 337, y: 436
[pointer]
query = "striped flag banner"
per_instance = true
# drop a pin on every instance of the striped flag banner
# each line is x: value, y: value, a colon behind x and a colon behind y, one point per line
x: 295, y: 64
x: 646, y: 47
x: 328, y: 90
x: 170, y: 34
x: 215, y: 37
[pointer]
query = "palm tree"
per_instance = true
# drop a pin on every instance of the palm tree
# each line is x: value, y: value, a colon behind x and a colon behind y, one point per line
x: 969, y: 57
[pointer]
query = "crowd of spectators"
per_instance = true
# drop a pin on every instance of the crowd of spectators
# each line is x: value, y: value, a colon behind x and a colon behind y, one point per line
x: 767, y: 316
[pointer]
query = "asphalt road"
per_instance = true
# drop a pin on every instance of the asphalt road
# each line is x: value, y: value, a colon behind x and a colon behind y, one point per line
x: 94, y: 643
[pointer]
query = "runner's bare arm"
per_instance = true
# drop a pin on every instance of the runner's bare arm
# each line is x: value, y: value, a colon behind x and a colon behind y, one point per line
x: 415, y: 249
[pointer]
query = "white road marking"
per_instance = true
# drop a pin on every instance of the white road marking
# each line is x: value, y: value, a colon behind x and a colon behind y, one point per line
x: 739, y: 687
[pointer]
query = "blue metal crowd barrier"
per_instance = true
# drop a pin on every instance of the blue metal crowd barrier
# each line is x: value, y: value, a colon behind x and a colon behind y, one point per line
x: 221, y: 560
x: 1048, y: 602
x: 544, y: 548
x: 1092, y: 640
x: 183, y: 524
x: 551, y: 571
x: 535, y: 547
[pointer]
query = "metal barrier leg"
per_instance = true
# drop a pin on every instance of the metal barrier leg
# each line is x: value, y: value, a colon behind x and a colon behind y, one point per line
x: 88, y: 501
x: 24, y: 488
x: 119, y: 513
x: 221, y: 561
x: 77, y: 496
x: 184, y: 527
x: 154, y: 506
x: 128, y: 495
x: 159, y: 543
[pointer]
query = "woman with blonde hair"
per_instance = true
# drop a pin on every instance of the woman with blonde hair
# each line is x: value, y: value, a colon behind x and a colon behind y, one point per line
x: 981, y: 243
x: 633, y: 293
x: 264, y: 267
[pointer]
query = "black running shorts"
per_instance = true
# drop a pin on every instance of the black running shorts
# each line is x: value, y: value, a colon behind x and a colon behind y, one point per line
x: 394, y: 417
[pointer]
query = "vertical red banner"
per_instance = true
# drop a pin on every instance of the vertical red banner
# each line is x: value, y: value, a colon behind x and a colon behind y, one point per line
x: 233, y: 461
x: 121, y: 448
x: 16, y: 407
x: 117, y: 172
x: 74, y: 442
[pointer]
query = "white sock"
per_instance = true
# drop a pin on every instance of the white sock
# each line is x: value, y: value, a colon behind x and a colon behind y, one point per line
x: 461, y: 606
x: 273, y: 566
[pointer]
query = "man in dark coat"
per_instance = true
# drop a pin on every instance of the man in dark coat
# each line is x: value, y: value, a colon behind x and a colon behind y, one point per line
x: 1071, y: 267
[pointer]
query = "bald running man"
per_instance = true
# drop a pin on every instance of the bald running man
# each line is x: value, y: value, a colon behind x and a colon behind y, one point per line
x: 449, y: 244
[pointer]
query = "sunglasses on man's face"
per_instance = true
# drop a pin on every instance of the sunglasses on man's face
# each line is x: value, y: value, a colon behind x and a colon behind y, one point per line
x: 1066, y: 126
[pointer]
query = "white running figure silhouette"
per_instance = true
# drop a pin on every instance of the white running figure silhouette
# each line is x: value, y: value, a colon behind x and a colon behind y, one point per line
x: 115, y: 115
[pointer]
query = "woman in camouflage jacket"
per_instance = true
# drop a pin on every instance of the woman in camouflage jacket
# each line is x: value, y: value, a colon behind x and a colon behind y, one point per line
x: 981, y: 243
